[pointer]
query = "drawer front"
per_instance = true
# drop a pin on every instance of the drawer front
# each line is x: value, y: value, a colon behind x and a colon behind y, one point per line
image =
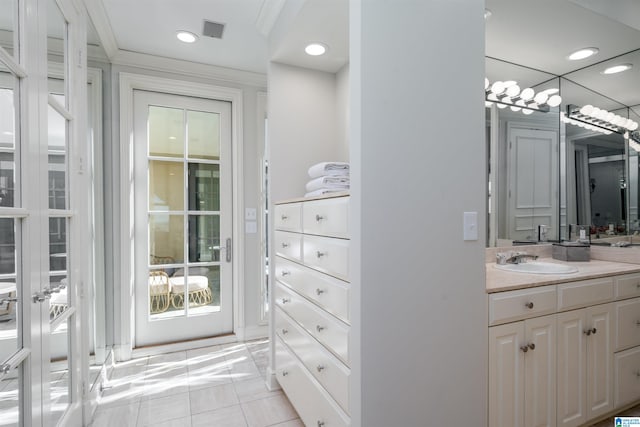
x: 329, y: 371
x: 288, y: 245
x: 584, y: 293
x: 328, y: 292
x: 327, y: 254
x: 514, y: 305
x: 627, y: 324
x: 329, y: 217
x: 628, y: 286
x: 627, y: 377
x: 288, y: 217
x: 313, y: 404
x: 330, y: 331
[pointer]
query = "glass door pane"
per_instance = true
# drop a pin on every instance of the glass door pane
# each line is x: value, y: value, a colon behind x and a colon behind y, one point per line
x: 9, y: 25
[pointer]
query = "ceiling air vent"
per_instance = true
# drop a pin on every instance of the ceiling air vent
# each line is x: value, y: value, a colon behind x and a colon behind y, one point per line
x: 213, y: 29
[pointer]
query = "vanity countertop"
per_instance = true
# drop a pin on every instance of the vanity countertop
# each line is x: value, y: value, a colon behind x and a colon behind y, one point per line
x: 500, y: 280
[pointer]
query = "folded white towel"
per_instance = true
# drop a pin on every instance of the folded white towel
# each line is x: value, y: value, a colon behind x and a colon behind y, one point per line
x: 329, y: 168
x: 328, y: 182
x: 322, y: 191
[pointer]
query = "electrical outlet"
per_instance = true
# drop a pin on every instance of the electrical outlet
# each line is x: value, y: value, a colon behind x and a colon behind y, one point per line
x: 250, y: 214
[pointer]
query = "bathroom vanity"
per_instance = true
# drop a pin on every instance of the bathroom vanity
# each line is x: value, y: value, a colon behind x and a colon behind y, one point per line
x: 563, y: 349
x: 312, y: 314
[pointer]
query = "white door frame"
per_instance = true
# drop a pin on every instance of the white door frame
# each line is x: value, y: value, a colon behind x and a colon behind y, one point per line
x: 124, y: 323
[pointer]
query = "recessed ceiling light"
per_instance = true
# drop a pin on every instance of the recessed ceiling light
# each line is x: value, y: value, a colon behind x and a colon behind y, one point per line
x: 618, y: 69
x: 186, y: 36
x: 315, y: 49
x: 583, y: 53
x: 487, y: 14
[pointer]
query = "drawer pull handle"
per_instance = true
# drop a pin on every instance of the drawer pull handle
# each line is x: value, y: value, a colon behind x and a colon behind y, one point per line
x: 637, y: 322
x: 285, y: 373
x: 532, y: 346
x: 285, y: 331
x: 591, y: 331
x: 285, y: 245
x: 319, y: 218
x: 320, y: 368
x: 320, y: 292
x: 638, y: 374
x: 320, y: 254
x: 286, y: 300
x: 285, y: 273
x: 284, y: 217
x: 524, y: 348
x: 320, y: 423
x: 320, y: 328
x: 529, y: 305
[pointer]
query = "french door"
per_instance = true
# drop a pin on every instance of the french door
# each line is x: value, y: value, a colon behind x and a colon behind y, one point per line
x: 40, y: 209
x: 183, y: 218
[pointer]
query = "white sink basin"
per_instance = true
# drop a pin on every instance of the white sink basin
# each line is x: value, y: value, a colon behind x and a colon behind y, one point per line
x: 538, y: 268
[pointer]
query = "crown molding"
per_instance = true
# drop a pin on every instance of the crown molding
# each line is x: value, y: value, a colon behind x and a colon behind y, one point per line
x: 100, y: 19
x: 193, y: 69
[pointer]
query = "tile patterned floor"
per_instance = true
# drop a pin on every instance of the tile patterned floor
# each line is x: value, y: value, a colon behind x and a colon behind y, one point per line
x: 219, y: 386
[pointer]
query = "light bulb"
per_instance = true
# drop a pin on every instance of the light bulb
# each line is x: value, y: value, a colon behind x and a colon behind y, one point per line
x: 186, y: 36
x: 497, y: 87
x: 514, y: 108
x: 617, y: 69
x: 595, y: 112
x: 492, y: 97
x: 501, y: 106
x: 609, y: 117
x: 527, y: 94
x: 486, y: 83
x: 513, y: 90
x: 488, y: 104
x: 506, y: 100
x: 582, y: 53
x: 526, y: 111
x: 602, y: 114
x: 633, y: 126
x: 554, y: 100
x: 315, y: 49
x: 617, y: 120
x: 586, y: 110
x: 521, y: 103
x: 628, y: 124
x: 541, y: 98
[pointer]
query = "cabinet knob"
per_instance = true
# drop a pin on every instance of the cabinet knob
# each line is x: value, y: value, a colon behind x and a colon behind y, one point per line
x: 532, y: 346
x: 320, y: 423
x: 593, y: 331
x: 319, y: 218
x: 285, y: 300
x: 529, y: 305
x: 285, y: 373
x: 524, y: 348
x: 590, y: 331
x: 285, y: 331
x: 320, y: 328
x: 320, y: 292
x: 285, y: 245
x: 284, y: 217
x: 320, y: 368
x: 637, y: 322
x: 285, y: 273
x: 320, y: 254
x: 587, y: 332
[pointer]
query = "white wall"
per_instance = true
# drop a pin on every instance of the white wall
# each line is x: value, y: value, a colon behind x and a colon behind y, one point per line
x: 342, y: 112
x: 418, y: 163
x: 302, y: 127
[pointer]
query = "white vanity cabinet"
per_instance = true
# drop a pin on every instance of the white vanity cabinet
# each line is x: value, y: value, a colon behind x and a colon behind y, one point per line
x: 522, y: 372
x: 627, y: 340
x: 312, y: 319
x: 585, y: 362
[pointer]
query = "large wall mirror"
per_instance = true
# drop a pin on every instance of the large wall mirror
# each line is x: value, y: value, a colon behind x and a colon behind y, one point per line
x: 555, y: 170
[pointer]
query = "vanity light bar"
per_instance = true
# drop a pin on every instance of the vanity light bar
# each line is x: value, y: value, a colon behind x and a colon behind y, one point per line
x: 508, y: 94
x: 601, y: 118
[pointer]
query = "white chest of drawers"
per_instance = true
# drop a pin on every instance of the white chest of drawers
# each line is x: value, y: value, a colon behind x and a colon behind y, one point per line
x: 312, y: 319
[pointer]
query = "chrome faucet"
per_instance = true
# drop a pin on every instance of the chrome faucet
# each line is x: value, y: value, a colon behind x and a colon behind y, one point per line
x: 519, y: 257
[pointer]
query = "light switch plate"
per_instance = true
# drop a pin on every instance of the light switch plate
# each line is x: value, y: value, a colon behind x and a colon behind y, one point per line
x: 250, y: 227
x: 250, y: 214
x: 470, y: 227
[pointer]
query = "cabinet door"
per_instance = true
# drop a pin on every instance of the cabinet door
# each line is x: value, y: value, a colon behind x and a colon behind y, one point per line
x: 572, y: 359
x: 506, y: 375
x: 599, y: 360
x: 540, y: 372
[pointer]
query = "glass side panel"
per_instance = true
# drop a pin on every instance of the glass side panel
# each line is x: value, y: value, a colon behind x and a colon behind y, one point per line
x: 204, y: 187
x: 204, y: 135
x: 166, y: 132
x: 57, y: 134
x: 58, y: 244
x: 166, y: 238
x: 9, y: 26
x: 9, y: 315
x: 204, y: 238
x: 166, y: 185
x: 57, y: 47
x: 10, y: 399
x: 8, y: 120
x: 59, y: 371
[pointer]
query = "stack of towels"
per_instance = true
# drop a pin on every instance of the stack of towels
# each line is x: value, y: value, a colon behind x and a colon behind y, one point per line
x: 328, y: 177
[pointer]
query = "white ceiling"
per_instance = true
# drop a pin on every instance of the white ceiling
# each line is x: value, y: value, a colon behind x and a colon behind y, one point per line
x: 534, y: 33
